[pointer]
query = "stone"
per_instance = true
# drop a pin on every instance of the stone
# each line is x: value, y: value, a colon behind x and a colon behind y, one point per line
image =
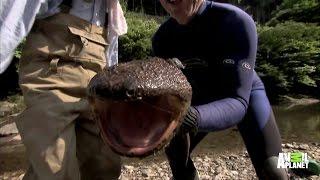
x: 206, y: 164
x: 122, y: 177
x: 244, y: 171
x: 16, y: 138
x: 212, y: 170
x: 198, y: 159
x: 147, y: 173
x: 219, y: 177
x: 6, y: 108
x: 234, y: 173
x: 128, y: 167
x: 206, y: 158
x: 288, y: 145
x: 314, y: 177
x: 205, y: 177
x: 8, y: 129
x: 20, y: 177
x: 224, y: 157
x: 219, y: 170
x: 216, y: 162
x: 303, y: 146
x: 10, y: 138
x: 232, y: 157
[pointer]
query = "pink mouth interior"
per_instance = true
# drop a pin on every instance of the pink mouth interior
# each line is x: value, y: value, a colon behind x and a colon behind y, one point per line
x: 136, y: 128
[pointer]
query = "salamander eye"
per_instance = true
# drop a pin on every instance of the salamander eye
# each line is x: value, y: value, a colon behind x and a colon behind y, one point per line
x: 130, y: 93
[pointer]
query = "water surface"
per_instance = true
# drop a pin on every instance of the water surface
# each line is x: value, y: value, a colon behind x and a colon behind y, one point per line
x: 297, y: 124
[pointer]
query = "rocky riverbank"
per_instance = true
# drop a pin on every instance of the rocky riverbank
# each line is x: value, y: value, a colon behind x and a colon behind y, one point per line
x: 231, y: 161
x: 211, y: 166
x: 228, y: 165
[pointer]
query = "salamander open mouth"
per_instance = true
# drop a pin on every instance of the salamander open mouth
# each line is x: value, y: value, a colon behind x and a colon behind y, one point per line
x: 136, y: 128
x: 139, y: 104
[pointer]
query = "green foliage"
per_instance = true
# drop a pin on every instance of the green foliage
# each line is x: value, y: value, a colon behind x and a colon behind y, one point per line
x: 298, y: 4
x: 124, y: 5
x: 151, y: 7
x: 297, y: 10
x: 274, y: 75
x: 288, y: 58
x: 136, y: 44
x: 18, y: 51
x: 289, y: 55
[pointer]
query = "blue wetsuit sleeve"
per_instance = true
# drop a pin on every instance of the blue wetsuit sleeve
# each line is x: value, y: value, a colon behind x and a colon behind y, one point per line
x: 220, y: 114
x: 236, y: 69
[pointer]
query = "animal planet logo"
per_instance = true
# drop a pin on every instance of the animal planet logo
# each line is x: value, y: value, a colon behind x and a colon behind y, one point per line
x: 293, y: 160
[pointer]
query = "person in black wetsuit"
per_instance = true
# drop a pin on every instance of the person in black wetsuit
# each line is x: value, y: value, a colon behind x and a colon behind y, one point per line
x: 217, y: 44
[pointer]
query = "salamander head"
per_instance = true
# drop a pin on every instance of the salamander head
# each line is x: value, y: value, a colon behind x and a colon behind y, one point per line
x: 138, y: 105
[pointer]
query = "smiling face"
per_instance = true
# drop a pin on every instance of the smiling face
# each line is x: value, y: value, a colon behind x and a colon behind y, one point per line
x: 181, y: 10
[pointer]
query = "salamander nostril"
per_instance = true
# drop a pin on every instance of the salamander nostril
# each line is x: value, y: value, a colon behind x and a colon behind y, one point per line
x: 139, y: 96
x: 132, y: 94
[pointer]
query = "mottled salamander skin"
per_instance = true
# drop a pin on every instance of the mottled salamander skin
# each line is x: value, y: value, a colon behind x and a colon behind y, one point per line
x: 142, y: 80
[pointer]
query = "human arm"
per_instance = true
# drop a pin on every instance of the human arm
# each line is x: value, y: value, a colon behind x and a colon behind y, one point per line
x: 236, y: 69
x: 233, y: 69
x: 16, y: 20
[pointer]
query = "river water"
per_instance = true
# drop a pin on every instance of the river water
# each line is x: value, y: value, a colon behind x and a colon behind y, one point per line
x: 299, y: 124
x: 296, y: 124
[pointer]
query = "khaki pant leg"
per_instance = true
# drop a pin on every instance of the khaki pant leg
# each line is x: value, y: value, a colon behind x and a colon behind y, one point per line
x: 47, y: 125
x: 54, y: 90
x: 96, y: 160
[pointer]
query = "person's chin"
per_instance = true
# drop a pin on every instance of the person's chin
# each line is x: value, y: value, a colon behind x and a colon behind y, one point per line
x: 182, y: 21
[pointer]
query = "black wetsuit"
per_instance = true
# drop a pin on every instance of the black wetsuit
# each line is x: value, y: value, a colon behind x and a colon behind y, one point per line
x: 218, y: 47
